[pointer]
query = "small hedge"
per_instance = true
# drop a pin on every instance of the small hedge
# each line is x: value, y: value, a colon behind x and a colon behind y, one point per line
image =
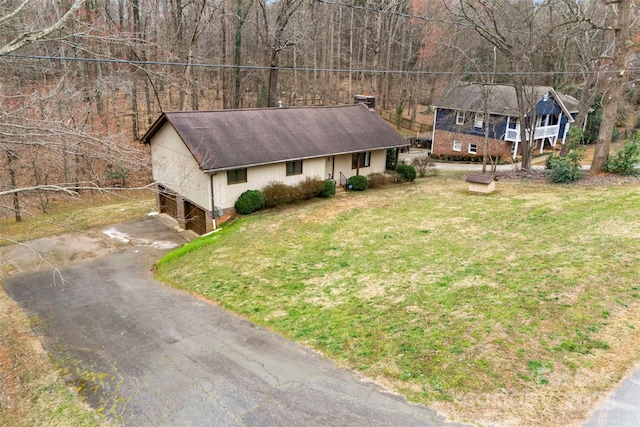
x: 358, y: 183
x: 376, y: 180
x: 278, y: 193
x: 565, y: 168
x: 250, y: 201
x: 308, y: 189
x: 407, y: 172
x: 329, y: 189
x: 627, y: 159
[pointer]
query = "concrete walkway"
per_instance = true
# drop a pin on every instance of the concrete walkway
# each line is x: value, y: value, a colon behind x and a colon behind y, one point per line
x: 147, y: 354
x: 472, y: 167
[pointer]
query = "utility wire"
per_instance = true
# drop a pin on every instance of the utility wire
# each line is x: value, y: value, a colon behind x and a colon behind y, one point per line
x: 281, y: 68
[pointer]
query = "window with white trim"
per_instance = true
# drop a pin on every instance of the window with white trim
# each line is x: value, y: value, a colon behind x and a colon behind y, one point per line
x: 457, y: 145
x: 479, y: 121
x: 459, y: 117
x: 473, y: 148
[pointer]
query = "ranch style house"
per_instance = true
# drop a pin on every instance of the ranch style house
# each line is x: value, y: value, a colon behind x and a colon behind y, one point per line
x: 204, y: 160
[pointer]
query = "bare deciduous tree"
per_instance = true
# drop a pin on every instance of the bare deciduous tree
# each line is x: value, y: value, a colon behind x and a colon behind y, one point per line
x: 34, y: 33
x: 616, y: 79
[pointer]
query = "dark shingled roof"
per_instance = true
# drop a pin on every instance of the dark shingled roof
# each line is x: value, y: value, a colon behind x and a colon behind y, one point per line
x: 230, y: 139
x: 502, y: 98
x: 480, y: 179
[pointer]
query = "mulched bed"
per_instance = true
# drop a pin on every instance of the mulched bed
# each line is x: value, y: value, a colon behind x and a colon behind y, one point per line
x: 541, y: 175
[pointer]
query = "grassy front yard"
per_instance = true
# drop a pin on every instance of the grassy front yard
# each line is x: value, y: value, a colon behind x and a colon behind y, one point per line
x: 67, y: 214
x: 520, y: 307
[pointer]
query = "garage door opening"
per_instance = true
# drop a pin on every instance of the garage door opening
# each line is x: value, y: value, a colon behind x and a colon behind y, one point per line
x: 168, y: 203
x: 194, y: 218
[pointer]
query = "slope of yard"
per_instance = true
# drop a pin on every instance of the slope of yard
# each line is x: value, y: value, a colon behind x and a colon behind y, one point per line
x: 518, y: 308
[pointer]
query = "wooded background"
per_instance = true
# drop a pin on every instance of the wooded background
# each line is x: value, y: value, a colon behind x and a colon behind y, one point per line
x: 84, y: 79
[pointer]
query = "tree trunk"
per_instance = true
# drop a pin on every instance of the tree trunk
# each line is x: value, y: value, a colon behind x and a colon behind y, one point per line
x: 11, y: 156
x: 134, y: 107
x: 613, y: 95
x: 525, y: 105
x: 586, y: 99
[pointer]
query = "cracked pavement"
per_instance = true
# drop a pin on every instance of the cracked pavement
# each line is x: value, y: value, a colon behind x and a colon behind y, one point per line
x: 147, y: 354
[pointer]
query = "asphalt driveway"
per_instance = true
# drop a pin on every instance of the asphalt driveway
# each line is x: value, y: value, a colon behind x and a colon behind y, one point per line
x: 147, y: 354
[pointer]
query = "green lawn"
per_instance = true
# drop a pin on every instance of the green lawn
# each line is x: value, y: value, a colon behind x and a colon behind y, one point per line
x: 472, y: 304
x: 68, y: 214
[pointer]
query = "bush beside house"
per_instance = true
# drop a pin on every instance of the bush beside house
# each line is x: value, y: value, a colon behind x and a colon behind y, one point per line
x: 329, y: 188
x: 407, y: 172
x: 249, y: 202
x: 358, y: 183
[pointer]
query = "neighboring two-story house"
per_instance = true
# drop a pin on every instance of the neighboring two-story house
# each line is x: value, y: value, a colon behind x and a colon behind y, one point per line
x: 460, y: 124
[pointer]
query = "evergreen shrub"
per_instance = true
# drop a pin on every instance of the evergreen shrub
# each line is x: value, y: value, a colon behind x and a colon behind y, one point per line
x: 627, y: 159
x: 358, y: 183
x: 329, y: 188
x: 407, y: 172
x: 250, y: 201
x: 565, y: 168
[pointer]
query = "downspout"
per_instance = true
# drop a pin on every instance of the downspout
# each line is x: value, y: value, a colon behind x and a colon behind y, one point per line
x: 433, y: 131
x: 333, y: 167
x: 213, y: 202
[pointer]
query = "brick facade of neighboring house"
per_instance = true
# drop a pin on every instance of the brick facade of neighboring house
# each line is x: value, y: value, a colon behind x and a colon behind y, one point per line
x: 443, y: 144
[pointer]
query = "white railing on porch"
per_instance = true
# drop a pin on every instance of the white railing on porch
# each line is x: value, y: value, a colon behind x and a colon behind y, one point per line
x: 541, y: 132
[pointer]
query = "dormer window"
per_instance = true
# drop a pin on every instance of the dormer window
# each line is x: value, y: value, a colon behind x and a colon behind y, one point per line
x: 460, y: 117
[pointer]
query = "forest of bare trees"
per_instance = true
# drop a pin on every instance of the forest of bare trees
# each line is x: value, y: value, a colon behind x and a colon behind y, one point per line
x: 83, y: 79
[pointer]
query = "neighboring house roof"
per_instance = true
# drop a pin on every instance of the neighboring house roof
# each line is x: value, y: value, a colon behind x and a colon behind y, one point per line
x: 501, y: 99
x: 231, y: 139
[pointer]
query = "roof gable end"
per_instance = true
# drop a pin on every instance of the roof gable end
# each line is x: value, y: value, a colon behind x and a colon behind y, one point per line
x: 499, y: 99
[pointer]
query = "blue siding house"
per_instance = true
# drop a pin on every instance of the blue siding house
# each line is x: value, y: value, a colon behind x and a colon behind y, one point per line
x: 459, y: 124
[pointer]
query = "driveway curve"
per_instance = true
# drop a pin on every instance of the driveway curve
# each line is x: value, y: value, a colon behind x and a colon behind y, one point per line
x: 147, y: 354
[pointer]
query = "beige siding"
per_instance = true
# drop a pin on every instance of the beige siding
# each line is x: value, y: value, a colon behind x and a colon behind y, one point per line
x: 378, y: 161
x: 175, y: 168
x: 343, y: 164
x: 225, y: 196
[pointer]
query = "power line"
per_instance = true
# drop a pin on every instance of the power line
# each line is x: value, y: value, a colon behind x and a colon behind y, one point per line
x: 302, y: 69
